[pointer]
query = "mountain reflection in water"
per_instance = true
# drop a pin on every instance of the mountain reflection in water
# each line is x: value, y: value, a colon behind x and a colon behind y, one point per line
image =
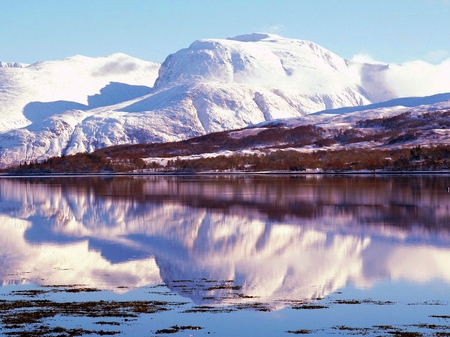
x: 277, y: 237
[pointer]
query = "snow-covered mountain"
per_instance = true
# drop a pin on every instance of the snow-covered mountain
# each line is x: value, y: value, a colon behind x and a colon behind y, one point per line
x: 32, y: 93
x: 42, y: 104
x: 13, y: 65
x: 80, y: 104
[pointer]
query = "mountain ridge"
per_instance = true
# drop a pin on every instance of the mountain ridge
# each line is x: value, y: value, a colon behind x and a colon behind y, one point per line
x: 81, y: 104
x: 13, y: 65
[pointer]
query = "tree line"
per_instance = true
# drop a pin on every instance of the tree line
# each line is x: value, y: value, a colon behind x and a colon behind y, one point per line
x: 413, y: 159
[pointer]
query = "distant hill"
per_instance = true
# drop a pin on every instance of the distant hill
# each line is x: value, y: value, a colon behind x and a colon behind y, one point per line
x: 394, y: 139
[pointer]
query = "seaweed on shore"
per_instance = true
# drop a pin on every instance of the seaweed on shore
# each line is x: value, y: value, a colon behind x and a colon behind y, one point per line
x: 176, y: 328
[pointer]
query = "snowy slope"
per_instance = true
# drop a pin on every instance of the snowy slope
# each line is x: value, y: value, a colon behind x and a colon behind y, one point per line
x: 31, y: 93
x: 41, y: 104
x: 82, y: 104
x: 394, y: 124
x: 349, y: 116
x: 428, y: 133
x: 13, y: 65
x: 301, y: 76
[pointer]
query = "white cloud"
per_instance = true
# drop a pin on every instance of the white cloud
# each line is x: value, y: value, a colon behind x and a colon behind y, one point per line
x: 275, y: 29
x: 437, y: 56
x: 419, y: 78
x: 365, y: 58
x: 416, y: 78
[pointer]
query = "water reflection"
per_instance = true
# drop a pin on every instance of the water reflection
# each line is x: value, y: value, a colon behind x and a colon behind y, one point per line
x: 277, y: 237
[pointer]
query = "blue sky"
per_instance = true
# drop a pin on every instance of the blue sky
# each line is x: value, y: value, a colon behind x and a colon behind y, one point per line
x: 392, y: 31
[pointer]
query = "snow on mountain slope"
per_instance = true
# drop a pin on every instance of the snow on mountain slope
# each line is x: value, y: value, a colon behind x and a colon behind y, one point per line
x: 32, y: 93
x: 439, y: 101
x: 217, y: 85
x: 271, y: 62
x: 41, y: 104
x: 82, y: 104
x: 13, y: 65
x: 345, y: 118
x: 229, y: 84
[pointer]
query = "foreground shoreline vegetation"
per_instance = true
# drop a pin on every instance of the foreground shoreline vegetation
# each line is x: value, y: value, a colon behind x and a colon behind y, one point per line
x: 33, y: 312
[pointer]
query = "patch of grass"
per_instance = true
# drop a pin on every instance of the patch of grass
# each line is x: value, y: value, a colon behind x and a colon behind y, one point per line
x: 205, y: 308
x: 29, y: 293
x: 26, y: 315
x: 107, y: 323
x: 81, y: 290
x: 370, y: 301
x: 44, y: 330
x: 347, y: 302
x: 348, y: 328
x: 224, y: 286
x: 384, y: 327
x: 176, y: 328
x: 257, y: 306
x: 309, y: 307
x: 431, y: 326
x: 299, y: 332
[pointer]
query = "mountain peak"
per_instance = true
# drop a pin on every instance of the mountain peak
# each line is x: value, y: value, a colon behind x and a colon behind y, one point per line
x: 255, y: 37
x: 13, y: 65
x: 264, y: 60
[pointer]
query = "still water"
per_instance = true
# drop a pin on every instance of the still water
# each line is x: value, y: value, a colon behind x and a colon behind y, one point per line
x: 229, y: 255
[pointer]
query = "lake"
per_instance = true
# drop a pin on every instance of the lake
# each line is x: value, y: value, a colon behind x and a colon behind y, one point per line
x: 226, y: 255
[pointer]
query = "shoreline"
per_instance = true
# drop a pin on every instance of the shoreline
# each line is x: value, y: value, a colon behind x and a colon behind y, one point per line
x: 129, y: 315
x: 236, y: 173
